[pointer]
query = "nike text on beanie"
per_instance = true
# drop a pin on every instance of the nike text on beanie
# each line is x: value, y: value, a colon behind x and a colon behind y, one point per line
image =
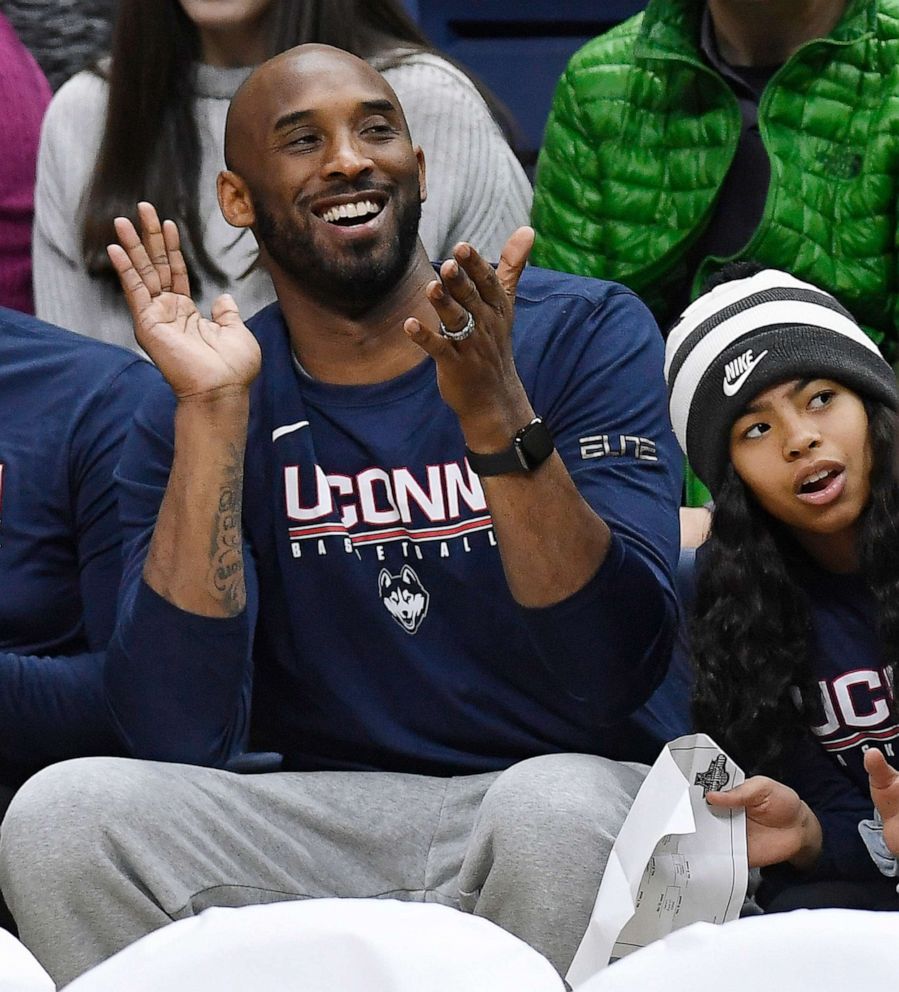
x: 748, y: 334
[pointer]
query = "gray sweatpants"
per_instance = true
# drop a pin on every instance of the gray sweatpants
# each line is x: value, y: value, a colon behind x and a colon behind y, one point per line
x: 97, y: 852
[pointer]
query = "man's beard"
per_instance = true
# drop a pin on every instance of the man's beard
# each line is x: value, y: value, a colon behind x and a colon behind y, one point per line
x: 361, y: 276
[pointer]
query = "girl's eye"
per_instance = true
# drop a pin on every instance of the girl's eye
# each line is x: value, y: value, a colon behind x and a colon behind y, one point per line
x: 821, y: 399
x: 757, y: 430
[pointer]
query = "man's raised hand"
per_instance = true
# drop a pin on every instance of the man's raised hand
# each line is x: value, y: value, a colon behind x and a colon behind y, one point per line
x: 200, y: 358
x: 477, y: 375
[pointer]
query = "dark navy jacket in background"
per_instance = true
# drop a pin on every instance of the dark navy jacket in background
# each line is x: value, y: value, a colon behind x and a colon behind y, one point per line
x: 65, y: 404
x: 380, y: 632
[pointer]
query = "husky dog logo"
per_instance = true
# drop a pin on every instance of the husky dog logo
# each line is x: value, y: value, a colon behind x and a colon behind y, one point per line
x: 405, y: 597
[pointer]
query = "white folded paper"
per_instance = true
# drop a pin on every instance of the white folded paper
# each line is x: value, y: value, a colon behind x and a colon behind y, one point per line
x: 675, y: 862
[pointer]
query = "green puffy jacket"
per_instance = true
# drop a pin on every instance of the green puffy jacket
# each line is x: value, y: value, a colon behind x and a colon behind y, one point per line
x: 643, y: 131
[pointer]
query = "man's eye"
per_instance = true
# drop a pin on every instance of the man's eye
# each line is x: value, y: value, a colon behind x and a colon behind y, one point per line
x: 757, y: 430
x: 302, y: 140
x: 380, y: 130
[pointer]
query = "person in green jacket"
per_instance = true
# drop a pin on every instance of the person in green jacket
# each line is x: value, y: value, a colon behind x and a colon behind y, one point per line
x: 702, y: 132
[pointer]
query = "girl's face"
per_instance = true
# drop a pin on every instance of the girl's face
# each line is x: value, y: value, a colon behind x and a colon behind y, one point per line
x: 219, y: 15
x: 803, y: 449
x: 232, y: 32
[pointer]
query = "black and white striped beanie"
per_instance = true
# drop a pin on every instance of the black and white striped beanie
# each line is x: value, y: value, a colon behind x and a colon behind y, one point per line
x: 748, y: 334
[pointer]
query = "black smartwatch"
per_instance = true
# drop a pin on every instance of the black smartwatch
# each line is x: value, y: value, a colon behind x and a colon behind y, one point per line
x: 531, y: 446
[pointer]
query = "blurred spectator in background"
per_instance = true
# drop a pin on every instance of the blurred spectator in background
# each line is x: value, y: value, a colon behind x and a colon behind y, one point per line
x: 699, y: 132
x: 149, y: 126
x: 24, y: 95
x: 65, y: 406
x: 64, y: 36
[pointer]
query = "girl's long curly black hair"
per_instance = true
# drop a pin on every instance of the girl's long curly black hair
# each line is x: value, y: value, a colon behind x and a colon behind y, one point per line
x: 751, y: 628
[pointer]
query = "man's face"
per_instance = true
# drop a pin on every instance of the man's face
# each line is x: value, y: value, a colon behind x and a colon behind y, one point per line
x: 335, y: 182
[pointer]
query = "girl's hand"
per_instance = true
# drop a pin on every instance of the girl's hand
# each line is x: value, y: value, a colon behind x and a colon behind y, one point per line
x: 779, y: 825
x: 884, y: 783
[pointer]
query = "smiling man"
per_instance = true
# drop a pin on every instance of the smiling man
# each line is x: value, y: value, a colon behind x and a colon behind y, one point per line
x: 397, y: 531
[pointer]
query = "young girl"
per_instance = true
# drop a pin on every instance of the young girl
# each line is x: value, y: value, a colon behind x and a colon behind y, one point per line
x: 785, y: 409
x: 149, y: 125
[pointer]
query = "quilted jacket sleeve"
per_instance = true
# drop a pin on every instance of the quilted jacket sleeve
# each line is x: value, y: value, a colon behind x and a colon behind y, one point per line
x: 567, y: 178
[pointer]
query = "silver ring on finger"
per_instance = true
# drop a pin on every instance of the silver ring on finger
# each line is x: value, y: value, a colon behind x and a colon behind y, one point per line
x: 461, y: 335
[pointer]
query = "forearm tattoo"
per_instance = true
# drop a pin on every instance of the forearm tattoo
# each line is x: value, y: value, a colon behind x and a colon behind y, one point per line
x: 226, y: 551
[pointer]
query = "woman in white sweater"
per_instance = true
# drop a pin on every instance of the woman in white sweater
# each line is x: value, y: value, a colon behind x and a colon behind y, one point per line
x: 149, y: 123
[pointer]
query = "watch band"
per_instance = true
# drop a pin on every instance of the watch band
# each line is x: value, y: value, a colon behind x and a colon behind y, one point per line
x: 530, y: 448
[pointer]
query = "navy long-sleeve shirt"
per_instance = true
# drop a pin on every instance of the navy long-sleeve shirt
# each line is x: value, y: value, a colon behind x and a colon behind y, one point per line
x: 65, y: 406
x: 380, y: 632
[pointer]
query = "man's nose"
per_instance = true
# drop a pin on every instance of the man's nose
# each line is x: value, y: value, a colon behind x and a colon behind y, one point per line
x: 348, y: 158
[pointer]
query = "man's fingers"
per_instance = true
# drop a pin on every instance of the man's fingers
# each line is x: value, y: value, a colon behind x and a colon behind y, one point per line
x: 513, y: 259
x: 880, y: 774
x: 453, y: 315
x: 140, y: 260
x: 458, y: 285
x: 172, y: 239
x: 482, y: 274
x: 137, y: 296
x: 437, y: 346
x: 225, y: 312
x: 154, y: 244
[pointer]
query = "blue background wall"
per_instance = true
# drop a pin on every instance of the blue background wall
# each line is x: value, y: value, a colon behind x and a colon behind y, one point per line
x: 519, y: 49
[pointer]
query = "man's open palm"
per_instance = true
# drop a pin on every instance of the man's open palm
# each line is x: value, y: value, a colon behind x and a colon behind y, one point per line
x: 198, y: 356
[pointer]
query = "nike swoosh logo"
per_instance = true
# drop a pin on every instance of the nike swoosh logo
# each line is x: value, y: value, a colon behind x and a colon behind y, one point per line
x: 731, y: 388
x: 288, y: 429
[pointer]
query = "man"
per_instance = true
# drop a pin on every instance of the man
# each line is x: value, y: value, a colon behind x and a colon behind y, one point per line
x: 699, y: 132
x: 313, y: 565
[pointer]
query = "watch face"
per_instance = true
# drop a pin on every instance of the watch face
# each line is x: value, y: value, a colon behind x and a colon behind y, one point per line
x: 535, y: 444
x: 530, y: 447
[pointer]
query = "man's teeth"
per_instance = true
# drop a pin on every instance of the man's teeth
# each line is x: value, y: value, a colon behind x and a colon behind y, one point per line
x: 345, y: 210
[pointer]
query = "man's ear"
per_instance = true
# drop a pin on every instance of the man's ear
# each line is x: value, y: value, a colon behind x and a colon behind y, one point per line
x: 422, y: 179
x: 235, y: 201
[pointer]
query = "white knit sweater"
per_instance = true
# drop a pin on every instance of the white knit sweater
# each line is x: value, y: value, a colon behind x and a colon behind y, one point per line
x: 477, y: 191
